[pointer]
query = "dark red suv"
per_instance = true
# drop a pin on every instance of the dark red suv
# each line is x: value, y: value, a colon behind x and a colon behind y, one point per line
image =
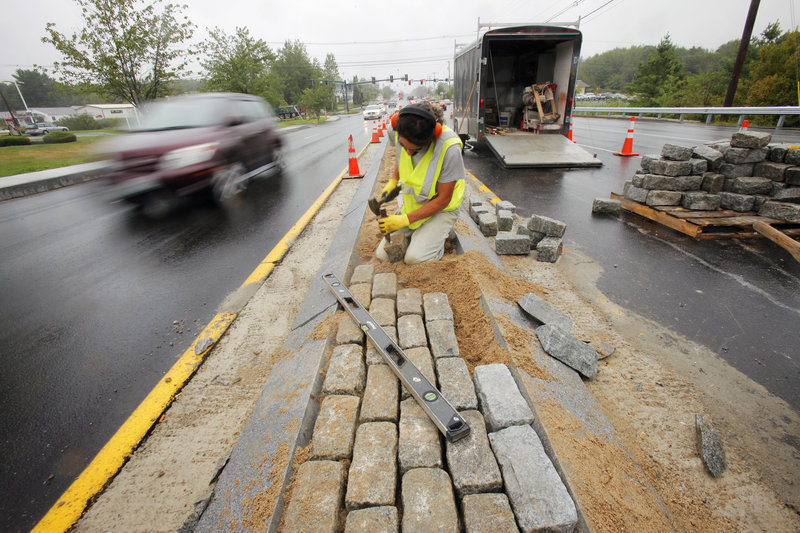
x: 199, y: 143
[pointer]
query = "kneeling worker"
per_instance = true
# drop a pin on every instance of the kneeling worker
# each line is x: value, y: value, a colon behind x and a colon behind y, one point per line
x: 431, y: 175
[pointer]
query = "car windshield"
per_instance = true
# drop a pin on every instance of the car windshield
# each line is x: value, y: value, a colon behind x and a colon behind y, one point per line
x: 179, y: 113
x: 373, y: 108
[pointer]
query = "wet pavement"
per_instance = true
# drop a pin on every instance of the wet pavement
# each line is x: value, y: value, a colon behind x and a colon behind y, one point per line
x: 738, y: 297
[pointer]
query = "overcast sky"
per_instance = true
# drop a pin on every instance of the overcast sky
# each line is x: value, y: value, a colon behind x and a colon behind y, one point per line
x: 381, y: 38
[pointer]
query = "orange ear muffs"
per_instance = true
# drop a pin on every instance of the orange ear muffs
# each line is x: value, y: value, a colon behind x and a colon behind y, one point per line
x: 393, y: 120
x: 437, y: 131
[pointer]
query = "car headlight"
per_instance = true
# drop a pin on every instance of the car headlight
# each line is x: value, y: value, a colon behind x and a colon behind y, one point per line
x: 184, y: 157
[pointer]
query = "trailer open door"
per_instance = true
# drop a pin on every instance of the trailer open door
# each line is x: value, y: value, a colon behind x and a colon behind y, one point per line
x: 526, y: 150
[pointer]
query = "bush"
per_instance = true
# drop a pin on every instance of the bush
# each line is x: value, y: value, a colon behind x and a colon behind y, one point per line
x: 14, y: 141
x: 87, y: 122
x: 57, y: 137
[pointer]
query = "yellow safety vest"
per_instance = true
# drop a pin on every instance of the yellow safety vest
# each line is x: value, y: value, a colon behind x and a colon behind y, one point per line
x: 419, y: 183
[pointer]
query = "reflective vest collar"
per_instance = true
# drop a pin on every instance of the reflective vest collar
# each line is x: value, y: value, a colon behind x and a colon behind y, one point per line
x: 434, y: 164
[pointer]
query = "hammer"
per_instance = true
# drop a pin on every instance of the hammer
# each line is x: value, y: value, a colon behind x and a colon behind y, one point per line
x: 375, y: 203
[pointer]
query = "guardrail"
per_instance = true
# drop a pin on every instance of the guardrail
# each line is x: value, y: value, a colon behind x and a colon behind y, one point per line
x: 743, y: 112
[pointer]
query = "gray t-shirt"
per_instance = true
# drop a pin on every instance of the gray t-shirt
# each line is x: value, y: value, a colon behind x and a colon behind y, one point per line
x: 452, y: 166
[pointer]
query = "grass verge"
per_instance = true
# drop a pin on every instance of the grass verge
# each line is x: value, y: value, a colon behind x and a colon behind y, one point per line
x: 39, y: 156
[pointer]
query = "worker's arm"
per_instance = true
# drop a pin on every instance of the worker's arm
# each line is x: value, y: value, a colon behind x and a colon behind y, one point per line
x: 443, y: 197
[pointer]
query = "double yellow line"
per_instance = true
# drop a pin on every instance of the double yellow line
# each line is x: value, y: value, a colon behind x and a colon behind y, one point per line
x: 109, y: 460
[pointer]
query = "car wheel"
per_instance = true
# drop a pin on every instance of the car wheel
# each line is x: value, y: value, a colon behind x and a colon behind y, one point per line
x: 155, y: 205
x: 225, y: 183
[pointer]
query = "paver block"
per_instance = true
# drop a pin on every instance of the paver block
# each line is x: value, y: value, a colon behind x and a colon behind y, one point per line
x: 542, y: 312
x: 346, y: 373
x: 771, y: 170
x: 698, y: 201
x: 384, y: 285
x: 781, y: 211
x: 606, y: 206
x: 382, y: 310
x: 348, y: 331
x: 777, y: 152
x: 750, y: 139
x: 411, y: 331
x: 381, y: 395
x: 712, y: 156
x: 316, y: 498
x: 512, y: 244
x: 436, y: 306
x: 710, y: 447
x: 455, y: 383
x: 751, y: 185
x: 538, y: 496
x: 736, y: 202
x: 419, y: 445
x: 504, y: 205
x: 505, y: 220
x: 699, y: 166
x: 638, y: 179
x: 713, y: 183
x: 571, y: 351
x: 470, y: 460
x: 362, y: 274
x: 442, y: 339
x: 335, y: 428
x: 475, y: 211
x: 487, y: 224
x: 671, y: 168
x: 689, y: 183
x: 793, y: 175
x: 373, y: 356
x: 373, y: 472
x: 362, y: 292
x: 428, y: 501
x: 409, y: 302
x: 732, y: 171
x: 791, y: 194
x: 738, y: 156
x: 501, y: 402
x: 422, y: 359
x: 474, y: 200
x: 792, y: 156
x: 647, y: 159
x: 549, y: 249
x: 488, y: 513
x: 636, y: 194
x: 664, y: 198
x: 548, y: 226
x: 658, y: 182
x: 382, y: 519
x: 674, y: 152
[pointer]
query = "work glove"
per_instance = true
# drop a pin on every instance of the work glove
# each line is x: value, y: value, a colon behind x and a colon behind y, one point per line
x: 391, y: 185
x: 393, y: 223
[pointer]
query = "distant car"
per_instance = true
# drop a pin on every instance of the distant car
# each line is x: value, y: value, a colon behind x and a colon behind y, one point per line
x: 372, y: 112
x: 199, y: 143
x: 43, y: 128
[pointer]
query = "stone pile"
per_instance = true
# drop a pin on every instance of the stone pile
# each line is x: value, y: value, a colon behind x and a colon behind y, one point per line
x: 378, y: 463
x: 746, y: 174
x: 518, y: 236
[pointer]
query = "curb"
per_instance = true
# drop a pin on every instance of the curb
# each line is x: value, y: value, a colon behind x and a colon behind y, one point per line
x: 47, y: 180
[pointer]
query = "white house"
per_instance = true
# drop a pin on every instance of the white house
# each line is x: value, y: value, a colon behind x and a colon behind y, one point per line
x: 126, y: 111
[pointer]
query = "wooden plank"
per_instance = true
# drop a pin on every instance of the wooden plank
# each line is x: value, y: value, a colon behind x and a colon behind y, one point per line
x: 746, y: 220
x: 677, y: 224
x: 779, y: 238
x: 711, y: 214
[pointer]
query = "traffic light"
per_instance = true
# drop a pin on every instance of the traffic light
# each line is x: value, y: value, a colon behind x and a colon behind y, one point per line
x: 420, y: 82
x: 373, y: 80
x: 409, y: 83
x: 405, y: 78
x: 391, y: 78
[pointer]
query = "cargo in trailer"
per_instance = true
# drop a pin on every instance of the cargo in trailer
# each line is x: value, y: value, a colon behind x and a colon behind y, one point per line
x: 514, y: 90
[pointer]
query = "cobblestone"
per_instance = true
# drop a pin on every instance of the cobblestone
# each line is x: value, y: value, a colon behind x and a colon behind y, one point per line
x: 512, y: 244
x: 381, y: 395
x: 422, y: 359
x: 346, y: 373
x: 382, y: 310
x: 362, y: 292
x: 436, y: 306
x: 384, y: 285
x: 456, y: 384
x: 442, y: 339
x: 335, y: 428
x: 501, y: 402
x: 372, y: 477
x: 411, y: 331
x: 362, y: 274
x: 505, y: 220
x: 487, y: 224
x: 488, y: 513
x: 428, y: 501
x: 316, y: 498
x: 419, y: 445
x: 409, y: 302
x: 373, y: 520
x: 348, y: 332
x: 470, y: 460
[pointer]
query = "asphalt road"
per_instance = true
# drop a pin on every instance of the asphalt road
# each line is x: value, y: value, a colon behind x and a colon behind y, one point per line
x: 739, y: 298
x: 97, y: 303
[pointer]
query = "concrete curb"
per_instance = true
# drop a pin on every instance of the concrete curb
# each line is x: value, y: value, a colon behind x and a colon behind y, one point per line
x: 47, y: 180
x: 251, y: 487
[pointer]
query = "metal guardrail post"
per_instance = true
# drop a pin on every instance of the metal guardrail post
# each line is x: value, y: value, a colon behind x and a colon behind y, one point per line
x: 781, y: 118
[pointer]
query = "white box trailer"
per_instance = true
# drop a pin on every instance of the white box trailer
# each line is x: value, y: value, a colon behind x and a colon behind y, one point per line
x: 514, y: 90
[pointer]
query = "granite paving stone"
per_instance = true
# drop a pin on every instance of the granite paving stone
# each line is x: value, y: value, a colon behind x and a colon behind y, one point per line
x: 335, y: 428
x: 455, y: 383
x: 409, y: 302
x: 348, y: 331
x: 571, y: 351
x: 709, y: 444
x: 382, y: 310
x: 316, y: 498
x: 373, y: 356
x: 422, y: 359
x: 505, y: 220
x: 488, y: 513
x: 384, y: 519
x: 549, y: 249
x: 411, y: 331
x: 470, y: 460
x: 548, y: 226
x: 442, y: 338
x: 501, y: 402
x: 606, y: 206
x: 419, y: 445
x: 543, y: 312
x: 512, y: 244
x: 436, y: 306
x: 346, y: 372
x: 505, y: 205
x: 428, y: 501
x: 373, y: 470
x: 487, y: 224
x: 384, y: 285
x: 362, y: 292
x: 381, y: 395
x: 362, y: 274
x: 537, y: 495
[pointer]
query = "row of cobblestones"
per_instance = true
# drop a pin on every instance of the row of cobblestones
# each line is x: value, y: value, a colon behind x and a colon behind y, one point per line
x: 378, y: 463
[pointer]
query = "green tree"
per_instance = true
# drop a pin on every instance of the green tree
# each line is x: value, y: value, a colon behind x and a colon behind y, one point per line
x: 240, y: 63
x: 615, y: 69
x: 773, y: 79
x: 316, y: 99
x: 295, y: 69
x: 659, y: 78
x: 126, y: 49
x: 387, y: 92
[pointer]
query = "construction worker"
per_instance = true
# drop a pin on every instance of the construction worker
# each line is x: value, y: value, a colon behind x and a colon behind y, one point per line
x: 430, y: 171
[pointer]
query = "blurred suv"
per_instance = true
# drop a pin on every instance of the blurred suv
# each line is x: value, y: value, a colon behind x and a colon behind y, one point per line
x: 43, y: 128
x: 372, y: 112
x: 208, y: 143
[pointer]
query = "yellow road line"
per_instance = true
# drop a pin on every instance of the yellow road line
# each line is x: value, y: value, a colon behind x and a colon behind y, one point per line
x: 109, y: 460
x: 484, y: 188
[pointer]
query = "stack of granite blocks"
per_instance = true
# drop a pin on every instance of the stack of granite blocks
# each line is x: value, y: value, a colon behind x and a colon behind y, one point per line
x: 378, y: 463
x: 513, y: 236
x: 747, y: 174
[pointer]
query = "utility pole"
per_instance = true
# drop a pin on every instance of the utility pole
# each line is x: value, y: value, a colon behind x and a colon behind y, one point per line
x: 737, y: 67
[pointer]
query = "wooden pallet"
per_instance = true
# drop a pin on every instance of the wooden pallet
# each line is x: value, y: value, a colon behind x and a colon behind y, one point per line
x: 722, y: 223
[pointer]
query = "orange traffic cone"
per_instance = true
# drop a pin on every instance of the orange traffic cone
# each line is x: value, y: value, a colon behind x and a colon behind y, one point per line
x: 375, y: 137
x: 627, y: 147
x: 352, y: 164
x: 569, y: 135
x: 745, y: 124
x: 380, y: 128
